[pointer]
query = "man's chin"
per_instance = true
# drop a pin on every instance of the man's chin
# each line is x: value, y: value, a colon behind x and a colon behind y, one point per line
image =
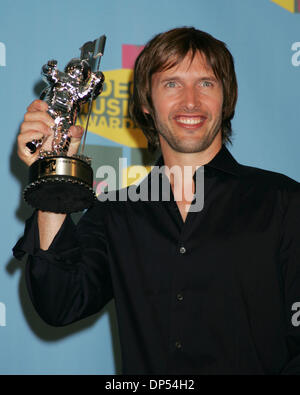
x: 188, y: 143
x: 191, y: 147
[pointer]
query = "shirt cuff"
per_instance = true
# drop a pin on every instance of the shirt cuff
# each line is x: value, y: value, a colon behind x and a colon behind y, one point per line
x: 64, y: 242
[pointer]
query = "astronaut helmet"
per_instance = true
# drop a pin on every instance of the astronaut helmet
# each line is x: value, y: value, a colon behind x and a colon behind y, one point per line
x: 79, y: 69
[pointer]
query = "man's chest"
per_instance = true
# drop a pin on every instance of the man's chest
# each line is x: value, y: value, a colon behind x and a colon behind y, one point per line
x: 164, y: 239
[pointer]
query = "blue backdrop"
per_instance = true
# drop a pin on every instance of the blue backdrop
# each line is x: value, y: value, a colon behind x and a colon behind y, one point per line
x: 264, y: 39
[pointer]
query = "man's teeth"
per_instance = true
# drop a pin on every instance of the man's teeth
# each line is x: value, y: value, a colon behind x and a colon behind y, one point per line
x: 189, y: 121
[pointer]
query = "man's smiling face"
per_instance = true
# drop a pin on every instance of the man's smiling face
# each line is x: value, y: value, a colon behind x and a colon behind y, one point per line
x: 187, y: 101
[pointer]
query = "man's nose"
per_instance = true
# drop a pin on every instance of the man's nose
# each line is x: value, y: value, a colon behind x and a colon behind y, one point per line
x: 191, y: 98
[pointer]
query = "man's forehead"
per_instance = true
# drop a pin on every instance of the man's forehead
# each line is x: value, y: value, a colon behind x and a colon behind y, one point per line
x: 196, y: 61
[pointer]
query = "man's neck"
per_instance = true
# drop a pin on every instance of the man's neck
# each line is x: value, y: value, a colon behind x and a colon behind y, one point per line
x: 194, y: 160
x: 183, y: 187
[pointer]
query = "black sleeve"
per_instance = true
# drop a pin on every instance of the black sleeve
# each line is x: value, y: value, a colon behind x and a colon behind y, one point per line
x: 290, y: 262
x: 71, y: 280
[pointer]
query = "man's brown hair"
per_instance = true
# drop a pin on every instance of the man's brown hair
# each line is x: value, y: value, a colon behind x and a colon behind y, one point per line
x: 168, y: 49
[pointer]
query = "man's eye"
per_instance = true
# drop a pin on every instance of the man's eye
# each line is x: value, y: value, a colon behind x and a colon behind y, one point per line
x: 171, y: 84
x: 206, y: 84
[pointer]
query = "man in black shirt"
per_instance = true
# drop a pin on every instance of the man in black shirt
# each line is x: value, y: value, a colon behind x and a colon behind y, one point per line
x: 210, y: 291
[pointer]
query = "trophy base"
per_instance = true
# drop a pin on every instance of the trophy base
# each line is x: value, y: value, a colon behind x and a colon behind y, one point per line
x: 60, y: 184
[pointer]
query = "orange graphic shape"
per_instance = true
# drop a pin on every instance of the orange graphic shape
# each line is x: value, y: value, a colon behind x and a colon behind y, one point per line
x: 290, y: 5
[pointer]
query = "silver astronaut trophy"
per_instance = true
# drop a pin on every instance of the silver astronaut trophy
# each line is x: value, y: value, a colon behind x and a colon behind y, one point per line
x: 59, y: 183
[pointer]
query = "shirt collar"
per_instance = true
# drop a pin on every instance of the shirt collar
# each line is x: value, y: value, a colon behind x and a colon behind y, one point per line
x: 222, y: 161
x: 225, y: 162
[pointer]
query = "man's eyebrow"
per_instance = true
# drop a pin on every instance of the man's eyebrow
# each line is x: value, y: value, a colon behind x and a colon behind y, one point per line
x: 179, y: 78
x: 209, y: 77
x: 171, y: 78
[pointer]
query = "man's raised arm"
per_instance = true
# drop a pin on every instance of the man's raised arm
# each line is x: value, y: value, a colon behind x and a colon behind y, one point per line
x: 37, y: 125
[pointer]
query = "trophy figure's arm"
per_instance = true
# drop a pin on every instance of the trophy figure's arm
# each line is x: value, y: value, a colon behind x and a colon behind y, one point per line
x: 50, y: 73
x: 93, y: 86
x: 44, y: 93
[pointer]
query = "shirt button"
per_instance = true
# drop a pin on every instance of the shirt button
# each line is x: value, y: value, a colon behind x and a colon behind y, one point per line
x: 182, y: 250
x: 178, y: 345
x: 179, y: 297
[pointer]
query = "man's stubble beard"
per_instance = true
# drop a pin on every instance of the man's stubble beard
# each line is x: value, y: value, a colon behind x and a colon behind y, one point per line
x: 182, y: 146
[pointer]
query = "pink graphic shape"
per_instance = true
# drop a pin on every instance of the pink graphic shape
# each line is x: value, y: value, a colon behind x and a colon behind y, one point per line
x: 298, y: 6
x: 129, y: 53
x: 100, y: 187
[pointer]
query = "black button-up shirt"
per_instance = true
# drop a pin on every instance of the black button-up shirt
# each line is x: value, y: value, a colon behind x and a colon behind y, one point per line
x: 216, y: 294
